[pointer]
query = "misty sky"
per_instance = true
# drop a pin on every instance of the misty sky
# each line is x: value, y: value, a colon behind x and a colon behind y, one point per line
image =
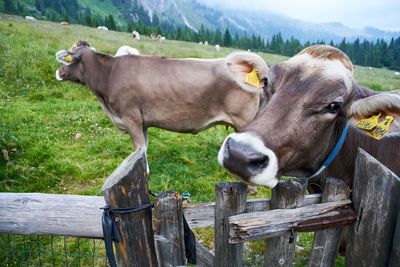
x: 383, y: 14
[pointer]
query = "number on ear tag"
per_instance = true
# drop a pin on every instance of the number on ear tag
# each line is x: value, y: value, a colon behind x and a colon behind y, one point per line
x: 252, y: 78
x: 382, y: 129
x: 368, y: 124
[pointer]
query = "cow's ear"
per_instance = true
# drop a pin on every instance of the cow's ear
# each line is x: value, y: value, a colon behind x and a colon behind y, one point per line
x: 380, y: 108
x: 248, y: 69
x: 66, y: 57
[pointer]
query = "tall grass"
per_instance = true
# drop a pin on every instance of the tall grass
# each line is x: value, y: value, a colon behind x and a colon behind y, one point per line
x: 46, y: 115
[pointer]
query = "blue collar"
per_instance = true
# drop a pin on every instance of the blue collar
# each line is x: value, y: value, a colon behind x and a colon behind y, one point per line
x: 333, y: 154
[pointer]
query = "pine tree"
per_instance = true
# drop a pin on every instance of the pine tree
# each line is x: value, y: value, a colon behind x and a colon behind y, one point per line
x: 9, y: 6
x: 159, y: 30
x: 110, y: 23
x: 129, y: 28
x: 227, y: 38
x: 186, y: 34
x: 179, y: 35
x: 66, y: 17
x: 218, y: 37
x: 236, y: 41
x: 88, y: 19
x: 202, y: 33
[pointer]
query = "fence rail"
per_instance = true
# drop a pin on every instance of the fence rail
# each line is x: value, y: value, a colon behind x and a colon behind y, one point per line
x: 235, y: 219
x: 80, y: 216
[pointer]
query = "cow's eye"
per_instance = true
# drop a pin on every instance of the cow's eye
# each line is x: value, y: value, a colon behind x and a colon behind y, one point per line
x: 265, y: 80
x: 333, y: 107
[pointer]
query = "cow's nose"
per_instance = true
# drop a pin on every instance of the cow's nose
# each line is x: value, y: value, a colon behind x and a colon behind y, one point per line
x: 243, y: 160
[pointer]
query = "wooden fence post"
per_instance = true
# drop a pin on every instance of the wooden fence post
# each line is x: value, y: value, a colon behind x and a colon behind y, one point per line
x: 395, y: 255
x: 326, y: 242
x: 288, y: 194
x: 127, y: 187
x: 230, y: 199
x: 376, y: 200
x: 168, y: 229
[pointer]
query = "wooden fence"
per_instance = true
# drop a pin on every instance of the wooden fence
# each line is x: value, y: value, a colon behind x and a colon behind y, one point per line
x: 157, y: 238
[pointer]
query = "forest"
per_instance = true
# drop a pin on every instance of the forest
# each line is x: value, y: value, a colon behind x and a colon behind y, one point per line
x: 378, y: 53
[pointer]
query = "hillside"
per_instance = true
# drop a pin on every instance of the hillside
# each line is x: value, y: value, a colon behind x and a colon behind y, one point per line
x: 192, y: 14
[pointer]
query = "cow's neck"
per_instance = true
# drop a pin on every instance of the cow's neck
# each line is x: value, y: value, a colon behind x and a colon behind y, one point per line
x: 386, y: 151
x: 97, y: 71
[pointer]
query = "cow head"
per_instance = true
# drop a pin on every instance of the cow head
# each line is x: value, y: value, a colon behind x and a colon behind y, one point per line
x: 72, y: 69
x: 311, y: 97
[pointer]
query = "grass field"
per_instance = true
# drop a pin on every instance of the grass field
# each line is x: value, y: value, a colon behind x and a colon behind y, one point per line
x: 41, y: 116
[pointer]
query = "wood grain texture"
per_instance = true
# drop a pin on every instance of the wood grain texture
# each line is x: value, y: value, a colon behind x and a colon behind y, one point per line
x: 230, y: 199
x: 168, y: 226
x: 288, y: 194
x: 394, y: 260
x: 266, y: 224
x: 80, y: 216
x: 376, y: 192
x: 127, y: 187
x: 326, y: 242
x: 51, y: 214
x: 202, y: 215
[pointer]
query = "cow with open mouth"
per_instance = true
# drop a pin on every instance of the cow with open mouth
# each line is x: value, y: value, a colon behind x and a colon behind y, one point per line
x: 307, y: 126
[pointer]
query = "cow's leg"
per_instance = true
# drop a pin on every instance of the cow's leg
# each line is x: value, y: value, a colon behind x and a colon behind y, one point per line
x: 146, y: 139
x: 137, y: 133
x: 139, y: 138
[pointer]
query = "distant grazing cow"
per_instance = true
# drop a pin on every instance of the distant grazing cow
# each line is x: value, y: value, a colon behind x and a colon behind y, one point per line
x: 160, y: 38
x: 312, y: 97
x: 104, y: 28
x: 136, y: 35
x: 217, y: 47
x: 30, y: 18
x: 397, y: 73
x: 205, y: 43
x: 152, y: 36
x: 126, y: 50
x: 181, y: 95
x: 200, y: 43
x: 64, y: 23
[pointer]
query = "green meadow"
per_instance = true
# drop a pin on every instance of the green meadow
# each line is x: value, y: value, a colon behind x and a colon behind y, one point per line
x: 41, y: 118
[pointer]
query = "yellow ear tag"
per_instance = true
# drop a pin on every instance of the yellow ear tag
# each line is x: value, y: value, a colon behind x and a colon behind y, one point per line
x: 68, y: 58
x: 382, y: 129
x: 252, y: 78
x: 368, y: 124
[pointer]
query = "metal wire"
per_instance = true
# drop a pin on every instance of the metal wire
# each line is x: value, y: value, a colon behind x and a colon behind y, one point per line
x: 16, y: 250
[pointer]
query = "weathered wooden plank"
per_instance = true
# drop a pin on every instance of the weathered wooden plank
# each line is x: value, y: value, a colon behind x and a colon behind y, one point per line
x: 288, y: 194
x: 376, y: 200
x: 395, y: 254
x: 51, y: 214
x: 202, y: 215
x: 230, y: 199
x: 127, y: 187
x: 266, y: 224
x: 168, y: 225
x: 205, y: 258
x: 326, y: 242
x: 80, y: 216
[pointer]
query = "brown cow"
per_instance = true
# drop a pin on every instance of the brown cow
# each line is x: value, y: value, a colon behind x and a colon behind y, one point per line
x: 312, y: 97
x: 181, y: 95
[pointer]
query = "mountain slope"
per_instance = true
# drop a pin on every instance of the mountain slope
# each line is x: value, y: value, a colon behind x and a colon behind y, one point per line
x: 191, y: 13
